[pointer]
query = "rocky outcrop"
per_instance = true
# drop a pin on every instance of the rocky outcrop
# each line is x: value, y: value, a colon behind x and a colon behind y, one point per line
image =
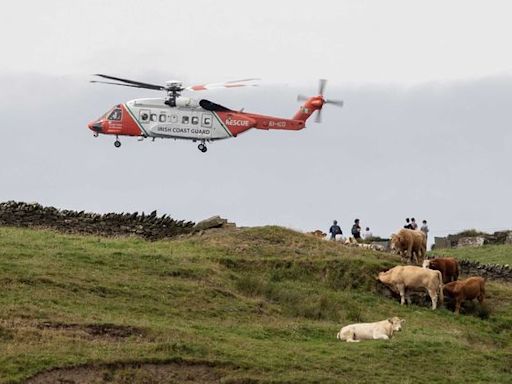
x: 148, y: 226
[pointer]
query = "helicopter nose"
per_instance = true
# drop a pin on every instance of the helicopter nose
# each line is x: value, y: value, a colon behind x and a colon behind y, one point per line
x: 96, y: 126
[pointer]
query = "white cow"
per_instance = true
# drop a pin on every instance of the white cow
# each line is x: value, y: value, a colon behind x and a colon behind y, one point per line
x: 382, y: 330
x: 403, y: 279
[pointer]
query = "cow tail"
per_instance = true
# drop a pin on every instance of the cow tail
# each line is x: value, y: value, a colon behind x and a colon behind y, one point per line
x: 441, y: 294
x: 457, y: 270
x: 338, y: 335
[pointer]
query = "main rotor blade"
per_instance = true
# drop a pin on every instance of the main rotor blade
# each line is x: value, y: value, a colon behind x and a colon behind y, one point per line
x: 338, y: 103
x: 321, y: 86
x: 143, y: 85
x: 226, y: 84
x: 124, y: 85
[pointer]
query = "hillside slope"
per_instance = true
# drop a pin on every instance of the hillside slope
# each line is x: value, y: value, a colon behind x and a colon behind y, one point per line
x: 247, y: 306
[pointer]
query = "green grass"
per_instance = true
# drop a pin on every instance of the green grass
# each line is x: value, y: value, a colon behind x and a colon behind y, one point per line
x: 262, y: 304
x: 487, y: 254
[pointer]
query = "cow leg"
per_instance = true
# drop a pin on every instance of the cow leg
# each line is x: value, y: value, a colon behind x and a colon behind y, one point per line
x: 409, y: 254
x: 381, y: 336
x: 433, y: 296
x: 401, y: 289
x: 457, y: 306
x: 408, y: 297
x: 352, y: 338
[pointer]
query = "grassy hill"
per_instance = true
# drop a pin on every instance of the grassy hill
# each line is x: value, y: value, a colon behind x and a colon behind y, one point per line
x: 487, y: 254
x: 248, y: 306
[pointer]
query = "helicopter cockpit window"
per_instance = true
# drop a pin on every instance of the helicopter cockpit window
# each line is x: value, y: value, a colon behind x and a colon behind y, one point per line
x: 115, y: 114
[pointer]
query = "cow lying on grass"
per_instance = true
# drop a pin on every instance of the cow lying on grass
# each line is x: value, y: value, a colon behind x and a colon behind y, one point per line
x: 468, y: 289
x: 403, y: 279
x: 380, y: 330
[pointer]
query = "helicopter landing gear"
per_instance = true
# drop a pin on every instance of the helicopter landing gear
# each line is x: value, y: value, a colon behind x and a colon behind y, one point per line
x: 202, y: 147
x: 117, y: 143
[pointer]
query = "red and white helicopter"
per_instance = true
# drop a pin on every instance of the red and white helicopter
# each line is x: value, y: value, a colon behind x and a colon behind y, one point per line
x: 180, y: 117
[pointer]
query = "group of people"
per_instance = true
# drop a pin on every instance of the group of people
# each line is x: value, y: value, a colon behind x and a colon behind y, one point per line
x: 411, y: 224
x: 356, y: 229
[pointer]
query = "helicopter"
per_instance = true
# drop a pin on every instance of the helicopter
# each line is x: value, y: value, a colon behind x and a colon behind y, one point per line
x: 199, y: 120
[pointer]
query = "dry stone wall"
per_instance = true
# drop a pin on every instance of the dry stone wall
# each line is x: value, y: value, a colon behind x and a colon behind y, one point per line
x: 491, y: 271
x: 149, y: 226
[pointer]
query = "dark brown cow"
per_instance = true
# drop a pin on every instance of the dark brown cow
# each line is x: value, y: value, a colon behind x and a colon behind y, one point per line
x: 469, y: 289
x: 448, y: 266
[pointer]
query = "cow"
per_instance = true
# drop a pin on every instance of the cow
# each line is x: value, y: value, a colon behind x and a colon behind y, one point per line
x: 448, y: 266
x: 404, y: 278
x: 318, y: 233
x: 382, y: 330
x: 468, y: 289
x: 409, y: 243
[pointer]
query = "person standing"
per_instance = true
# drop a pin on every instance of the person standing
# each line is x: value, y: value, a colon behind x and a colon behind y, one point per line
x: 407, y: 223
x: 356, y: 230
x: 424, y: 228
x: 335, y: 230
x: 367, y: 234
x: 413, y: 224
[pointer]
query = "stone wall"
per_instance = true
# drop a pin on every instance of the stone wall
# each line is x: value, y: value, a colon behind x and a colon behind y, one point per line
x: 149, y: 226
x: 473, y: 238
x: 491, y: 271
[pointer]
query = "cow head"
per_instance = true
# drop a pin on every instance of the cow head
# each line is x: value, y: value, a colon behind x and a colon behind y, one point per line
x: 394, y: 241
x: 383, y: 277
x: 396, y: 323
x: 426, y: 263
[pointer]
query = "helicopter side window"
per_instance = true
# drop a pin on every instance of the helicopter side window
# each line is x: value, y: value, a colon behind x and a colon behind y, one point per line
x: 173, y: 118
x: 162, y: 118
x: 206, y: 120
x: 195, y: 120
x: 185, y: 119
x: 144, y: 115
x: 115, y: 115
x: 153, y: 117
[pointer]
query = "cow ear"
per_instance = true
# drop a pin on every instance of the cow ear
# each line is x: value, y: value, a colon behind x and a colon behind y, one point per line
x: 390, y: 320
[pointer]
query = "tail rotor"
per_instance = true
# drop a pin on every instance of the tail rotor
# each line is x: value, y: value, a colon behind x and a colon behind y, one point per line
x: 322, y: 83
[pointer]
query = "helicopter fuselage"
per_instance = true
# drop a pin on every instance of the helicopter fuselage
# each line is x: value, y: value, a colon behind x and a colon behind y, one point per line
x: 191, y: 119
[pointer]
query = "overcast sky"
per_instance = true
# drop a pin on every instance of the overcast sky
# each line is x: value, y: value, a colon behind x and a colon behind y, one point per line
x: 425, y: 130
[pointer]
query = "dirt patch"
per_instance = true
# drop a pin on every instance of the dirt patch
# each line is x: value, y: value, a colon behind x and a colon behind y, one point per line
x: 124, y: 373
x: 96, y: 330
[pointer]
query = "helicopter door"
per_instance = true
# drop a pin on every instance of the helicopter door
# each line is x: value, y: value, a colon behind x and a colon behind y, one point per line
x: 144, y: 115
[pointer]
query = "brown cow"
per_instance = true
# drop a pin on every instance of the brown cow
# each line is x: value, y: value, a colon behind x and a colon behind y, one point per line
x: 469, y: 289
x: 448, y: 266
x: 410, y: 243
x: 404, y: 278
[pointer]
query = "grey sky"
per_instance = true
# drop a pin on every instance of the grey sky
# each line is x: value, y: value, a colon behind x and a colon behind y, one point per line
x: 425, y: 131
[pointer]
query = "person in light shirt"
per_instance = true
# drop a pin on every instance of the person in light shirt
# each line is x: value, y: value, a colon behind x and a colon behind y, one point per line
x: 367, y: 234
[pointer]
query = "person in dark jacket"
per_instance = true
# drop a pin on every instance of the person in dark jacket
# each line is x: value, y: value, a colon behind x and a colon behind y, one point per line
x: 335, y: 230
x: 407, y: 223
x: 356, y: 230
